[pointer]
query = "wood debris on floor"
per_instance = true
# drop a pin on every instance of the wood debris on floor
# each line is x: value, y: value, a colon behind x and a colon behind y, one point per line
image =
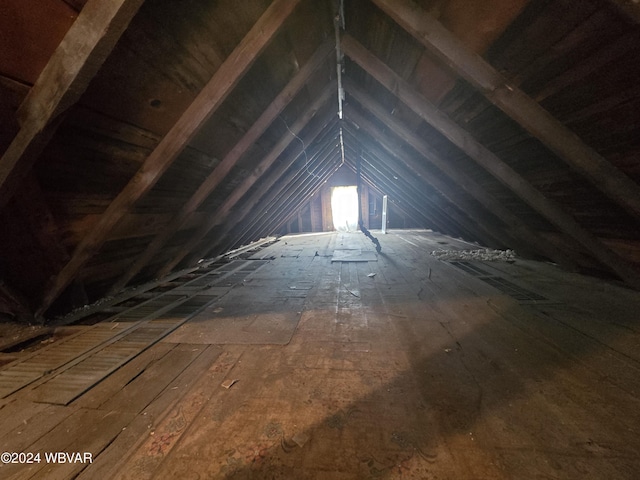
x: 434, y: 369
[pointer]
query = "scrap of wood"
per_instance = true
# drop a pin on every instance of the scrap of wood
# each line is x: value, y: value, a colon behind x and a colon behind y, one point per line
x: 300, y: 439
x: 229, y: 382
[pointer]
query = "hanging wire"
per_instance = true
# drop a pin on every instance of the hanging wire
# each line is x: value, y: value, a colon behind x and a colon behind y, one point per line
x: 304, y: 148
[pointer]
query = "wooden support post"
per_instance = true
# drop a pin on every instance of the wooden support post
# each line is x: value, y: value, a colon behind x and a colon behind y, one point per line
x: 327, y: 218
x: 385, y: 200
x: 515, y: 103
x: 364, y: 201
x: 194, y: 117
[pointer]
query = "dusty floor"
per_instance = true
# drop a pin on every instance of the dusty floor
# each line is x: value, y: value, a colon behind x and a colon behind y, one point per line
x: 403, y: 367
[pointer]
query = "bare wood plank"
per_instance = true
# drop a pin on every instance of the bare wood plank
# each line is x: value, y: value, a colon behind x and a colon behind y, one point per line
x: 269, y: 199
x: 602, y: 57
x: 138, y: 430
x: 77, y: 59
x: 229, y: 161
x: 141, y: 459
x: 469, y: 185
x: 205, y: 104
x: 254, y: 228
x: 490, y: 162
x: 515, y: 103
x: 23, y: 422
x: 303, y: 199
x: 140, y: 392
x: 450, y: 217
x: 281, y: 205
x: 275, y: 199
x: 223, y: 212
x: 477, y: 216
x: 110, y: 386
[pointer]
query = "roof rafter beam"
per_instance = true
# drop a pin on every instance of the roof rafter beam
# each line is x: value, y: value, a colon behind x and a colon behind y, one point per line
x: 222, y: 213
x: 455, y: 207
x: 257, y: 221
x: 489, y: 161
x: 228, y: 162
x: 380, y: 168
x: 298, y: 195
x: 266, y: 195
x: 466, y: 183
x: 518, y: 229
x: 205, y: 104
x: 82, y: 51
x: 484, y: 230
x: 515, y: 103
x: 251, y: 204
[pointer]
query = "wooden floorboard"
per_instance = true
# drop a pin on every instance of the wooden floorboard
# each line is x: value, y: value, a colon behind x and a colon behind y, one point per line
x: 403, y: 367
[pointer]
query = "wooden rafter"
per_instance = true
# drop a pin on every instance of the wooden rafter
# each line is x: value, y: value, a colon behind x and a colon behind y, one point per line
x: 515, y: 103
x: 516, y: 227
x: 475, y: 223
x: 222, y: 213
x: 194, y: 117
x: 228, y: 162
x: 439, y: 214
x: 275, y: 200
x: 296, y: 200
x: 64, y: 79
x: 250, y: 205
x: 489, y: 161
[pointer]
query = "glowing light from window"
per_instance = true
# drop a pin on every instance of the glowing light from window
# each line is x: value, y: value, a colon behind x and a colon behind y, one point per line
x: 344, y: 207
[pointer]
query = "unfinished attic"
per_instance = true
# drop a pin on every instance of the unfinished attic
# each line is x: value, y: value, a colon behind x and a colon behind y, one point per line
x: 303, y: 239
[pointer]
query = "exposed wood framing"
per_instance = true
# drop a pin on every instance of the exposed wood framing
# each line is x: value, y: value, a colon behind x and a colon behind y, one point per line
x: 517, y: 235
x: 277, y: 201
x: 265, y: 195
x: 255, y: 221
x: 328, y: 170
x: 511, y: 179
x: 223, y: 212
x: 475, y: 223
x: 517, y: 228
x: 66, y: 76
x: 205, y: 104
x: 515, y: 103
x: 490, y: 162
x: 228, y: 162
x: 439, y: 214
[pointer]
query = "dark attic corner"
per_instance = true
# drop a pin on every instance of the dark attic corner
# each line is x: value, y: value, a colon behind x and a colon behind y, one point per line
x: 333, y: 239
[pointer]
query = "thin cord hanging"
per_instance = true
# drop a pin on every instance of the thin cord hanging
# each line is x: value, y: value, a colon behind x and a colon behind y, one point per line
x: 304, y: 148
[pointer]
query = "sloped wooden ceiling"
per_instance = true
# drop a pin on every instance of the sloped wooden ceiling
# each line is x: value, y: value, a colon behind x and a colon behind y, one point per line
x: 139, y: 136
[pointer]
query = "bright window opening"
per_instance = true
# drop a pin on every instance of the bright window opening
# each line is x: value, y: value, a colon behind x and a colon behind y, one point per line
x: 344, y: 207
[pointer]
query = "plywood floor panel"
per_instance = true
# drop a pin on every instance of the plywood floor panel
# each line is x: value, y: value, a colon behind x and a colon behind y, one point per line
x: 420, y: 371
